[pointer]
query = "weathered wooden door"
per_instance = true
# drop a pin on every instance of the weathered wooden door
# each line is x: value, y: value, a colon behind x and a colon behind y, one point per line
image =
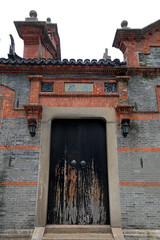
x: 78, y: 182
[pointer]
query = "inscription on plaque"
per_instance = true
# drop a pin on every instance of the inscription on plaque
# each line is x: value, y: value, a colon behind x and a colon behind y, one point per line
x: 79, y: 87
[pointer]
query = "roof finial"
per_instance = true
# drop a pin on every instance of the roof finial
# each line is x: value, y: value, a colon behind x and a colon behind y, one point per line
x: 33, y: 16
x: 48, y: 20
x: 124, y: 24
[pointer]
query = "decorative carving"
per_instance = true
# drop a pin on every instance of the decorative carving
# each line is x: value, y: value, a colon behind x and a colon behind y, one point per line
x: 122, y: 78
x: 110, y: 87
x: 124, y: 109
x: 33, y: 112
x: 46, y: 87
x: 124, y: 112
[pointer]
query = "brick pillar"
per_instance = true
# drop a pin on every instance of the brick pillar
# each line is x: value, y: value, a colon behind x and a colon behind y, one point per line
x: 35, y: 88
x: 123, y: 108
x: 122, y: 82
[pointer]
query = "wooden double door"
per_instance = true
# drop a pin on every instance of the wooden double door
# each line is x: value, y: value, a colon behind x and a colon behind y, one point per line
x: 78, y: 181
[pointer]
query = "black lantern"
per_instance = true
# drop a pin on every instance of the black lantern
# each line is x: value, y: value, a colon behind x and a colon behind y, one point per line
x: 32, y: 128
x: 125, y: 127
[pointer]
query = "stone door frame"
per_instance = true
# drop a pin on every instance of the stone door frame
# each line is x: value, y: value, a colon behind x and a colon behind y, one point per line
x: 50, y: 113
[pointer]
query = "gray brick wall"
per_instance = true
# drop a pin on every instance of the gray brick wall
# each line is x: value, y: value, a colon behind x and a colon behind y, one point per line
x: 142, y: 92
x: 139, y: 166
x: 140, y: 206
x: 18, y: 207
x: 18, y: 203
x: 142, y: 134
x: 14, y: 131
x: 21, y: 84
x: 152, y: 59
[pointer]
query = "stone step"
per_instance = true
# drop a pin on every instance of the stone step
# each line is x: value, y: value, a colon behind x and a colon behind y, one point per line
x: 78, y: 229
x: 78, y: 236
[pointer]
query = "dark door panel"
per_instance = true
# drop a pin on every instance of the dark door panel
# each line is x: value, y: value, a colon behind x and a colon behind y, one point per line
x: 78, y: 184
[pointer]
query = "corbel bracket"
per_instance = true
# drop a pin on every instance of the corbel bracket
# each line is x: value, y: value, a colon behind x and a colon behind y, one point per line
x: 33, y: 113
x: 124, y: 112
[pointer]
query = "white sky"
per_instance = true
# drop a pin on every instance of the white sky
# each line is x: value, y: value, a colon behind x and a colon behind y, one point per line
x: 86, y: 27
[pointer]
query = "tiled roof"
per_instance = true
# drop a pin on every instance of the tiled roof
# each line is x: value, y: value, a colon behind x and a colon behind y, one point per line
x: 86, y: 62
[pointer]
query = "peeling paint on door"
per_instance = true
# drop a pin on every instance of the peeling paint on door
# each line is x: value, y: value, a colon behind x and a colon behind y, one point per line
x: 78, y: 185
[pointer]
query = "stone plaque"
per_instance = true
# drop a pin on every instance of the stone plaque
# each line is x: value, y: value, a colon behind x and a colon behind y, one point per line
x: 79, y: 87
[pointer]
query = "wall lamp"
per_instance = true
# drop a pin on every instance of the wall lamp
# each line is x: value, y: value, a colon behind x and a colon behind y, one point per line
x: 124, y: 112
x: 125, y: 127
x: 32, y: 128
x: 33, y: 113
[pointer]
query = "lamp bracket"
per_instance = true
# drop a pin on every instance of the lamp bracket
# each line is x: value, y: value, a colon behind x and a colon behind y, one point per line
x: 124, y: 109
x: 33, y: 112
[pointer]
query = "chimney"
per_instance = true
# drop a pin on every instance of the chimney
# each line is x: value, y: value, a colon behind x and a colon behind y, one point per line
x: 41, y: 39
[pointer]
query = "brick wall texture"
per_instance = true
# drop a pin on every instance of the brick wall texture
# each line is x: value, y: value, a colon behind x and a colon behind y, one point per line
x: 152, y: 59
x: 21, y: 86
x: 139, y: 170
x: 138, y: 154
x: 142, y: 93
x: 19, y: 161
x: 139, y: 158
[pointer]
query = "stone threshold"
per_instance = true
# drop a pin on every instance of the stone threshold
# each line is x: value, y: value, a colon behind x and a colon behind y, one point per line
x: 141, y: 234
x: 129, y: 234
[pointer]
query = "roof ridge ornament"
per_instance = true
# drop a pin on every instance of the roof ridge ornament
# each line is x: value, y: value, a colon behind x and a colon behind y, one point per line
x: 12, y: 46
x: 105, y: 55
x: 12, y: 54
